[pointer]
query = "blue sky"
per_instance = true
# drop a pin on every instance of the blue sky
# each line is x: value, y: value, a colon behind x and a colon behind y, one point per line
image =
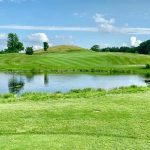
x: 78, y: 22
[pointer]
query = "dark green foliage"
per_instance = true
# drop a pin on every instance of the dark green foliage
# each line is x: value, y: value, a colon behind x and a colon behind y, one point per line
x: 147, y: 66
x: 15, y: 85
x: 29, y: 50
x: 13, y: 44
x: 2, y: 52
x: 110, y: 49
x: 121, y: 49
x: 20, y: 46
x: 46, y: 46
x: 96, y: 48
x: 144, y: 47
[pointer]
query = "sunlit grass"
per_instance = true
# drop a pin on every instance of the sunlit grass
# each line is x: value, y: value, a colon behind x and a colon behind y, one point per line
x: 81, y: 119
x: 75, y: 61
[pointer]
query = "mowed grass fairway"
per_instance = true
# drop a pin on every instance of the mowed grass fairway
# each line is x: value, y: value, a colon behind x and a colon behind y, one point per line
x: 80, y: 120
x: 73, y: 59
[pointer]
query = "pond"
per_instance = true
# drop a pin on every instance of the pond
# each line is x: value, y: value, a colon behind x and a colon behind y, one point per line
x: 15, y: 83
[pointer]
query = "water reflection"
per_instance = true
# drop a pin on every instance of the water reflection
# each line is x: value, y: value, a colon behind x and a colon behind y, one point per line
x: 46, y: 81
x: 147, y: 78
x: 29, y: 77
x: 147, y: 75
x: 15, y: 85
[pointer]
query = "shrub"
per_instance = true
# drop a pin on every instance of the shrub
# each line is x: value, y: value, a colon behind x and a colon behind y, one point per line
x: 147, y: 66
x: 96, y: 48
x: 46, y: 46
x: 29, y: 50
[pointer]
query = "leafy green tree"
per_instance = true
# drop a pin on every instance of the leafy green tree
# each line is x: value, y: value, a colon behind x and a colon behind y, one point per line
x: 13, y: 44
x: 124, y: 49
x: 46, y: 46
x: 20, y: 46
x: 29, y: 50
x: 96, y: 48
x: 144, y: 47
x: 121, y: 49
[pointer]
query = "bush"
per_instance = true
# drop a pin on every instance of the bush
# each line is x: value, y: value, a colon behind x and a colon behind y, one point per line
x: 147, y: 66
x: 29, y: 50
x: 96, y: 48
x: 46, y: 46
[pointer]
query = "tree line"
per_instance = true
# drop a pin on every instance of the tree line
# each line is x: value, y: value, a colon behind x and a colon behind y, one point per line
x: 143, y: 48
x: 15, y: 46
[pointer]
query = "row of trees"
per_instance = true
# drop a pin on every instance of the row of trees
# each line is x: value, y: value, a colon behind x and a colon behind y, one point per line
x: 15, y: 46
x: 143, y: 48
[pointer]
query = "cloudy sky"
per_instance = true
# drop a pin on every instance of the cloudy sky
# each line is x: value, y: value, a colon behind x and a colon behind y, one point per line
x: 78, y: 22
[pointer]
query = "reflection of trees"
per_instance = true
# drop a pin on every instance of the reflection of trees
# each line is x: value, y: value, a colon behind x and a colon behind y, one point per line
x: 46, y: 79
x: 15, y: 85
x: 29, y: 77
x: 147, y: 75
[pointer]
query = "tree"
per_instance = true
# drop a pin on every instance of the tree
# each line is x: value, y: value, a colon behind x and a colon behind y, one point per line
x: 144, y: 47
x: 29, y: 50
x: 125, y: 49
x: 20, y: 46
x: 46, y: 46
x: 13, y: 44
x: 96, y: 48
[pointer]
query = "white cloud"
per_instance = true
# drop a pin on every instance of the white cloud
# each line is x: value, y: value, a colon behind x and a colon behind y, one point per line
x: 36, y: 40
x: 99, y: 18
x: 107, y: 25
x: 79, y: 14
x: 37, y: 47
x: 3, y: 36
x: 3, y: 41
x: 104, y: 25
x: 37, y: 37
x: 51, y: 28
x: 134, y: 41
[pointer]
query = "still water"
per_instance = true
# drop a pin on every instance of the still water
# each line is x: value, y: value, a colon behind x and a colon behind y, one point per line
x: 15, y: 83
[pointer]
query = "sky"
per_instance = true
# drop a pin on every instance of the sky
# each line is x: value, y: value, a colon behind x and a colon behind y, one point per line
x: 75, y: 22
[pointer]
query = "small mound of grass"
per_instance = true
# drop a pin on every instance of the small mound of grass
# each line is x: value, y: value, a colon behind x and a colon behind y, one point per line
x: 62, y: 48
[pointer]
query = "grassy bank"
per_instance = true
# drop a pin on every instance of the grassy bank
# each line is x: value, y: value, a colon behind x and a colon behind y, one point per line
x: 88, y: 119
x: 78, y: 60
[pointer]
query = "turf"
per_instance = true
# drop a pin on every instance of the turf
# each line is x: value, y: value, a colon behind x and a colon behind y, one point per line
x: 88, y: 120
x: 74, y: 60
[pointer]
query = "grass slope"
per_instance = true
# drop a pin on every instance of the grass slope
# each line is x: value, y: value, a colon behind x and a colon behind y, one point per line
x: 62, y: 48
x: 74, y: 59
x: 85, y: 120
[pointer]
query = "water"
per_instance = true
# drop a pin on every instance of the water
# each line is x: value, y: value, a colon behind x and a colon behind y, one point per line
x: 14, y: 83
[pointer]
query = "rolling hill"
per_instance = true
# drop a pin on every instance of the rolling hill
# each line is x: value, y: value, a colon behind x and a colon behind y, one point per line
x: 62, y: 48
x: 73, y: 59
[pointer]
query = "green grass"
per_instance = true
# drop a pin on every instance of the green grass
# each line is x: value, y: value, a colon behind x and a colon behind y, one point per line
x: 62, y: 48
x: 67, y: 59
x: 85, y: 120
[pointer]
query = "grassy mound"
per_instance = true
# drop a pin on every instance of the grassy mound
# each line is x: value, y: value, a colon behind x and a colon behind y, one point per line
x: 62, y: 48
